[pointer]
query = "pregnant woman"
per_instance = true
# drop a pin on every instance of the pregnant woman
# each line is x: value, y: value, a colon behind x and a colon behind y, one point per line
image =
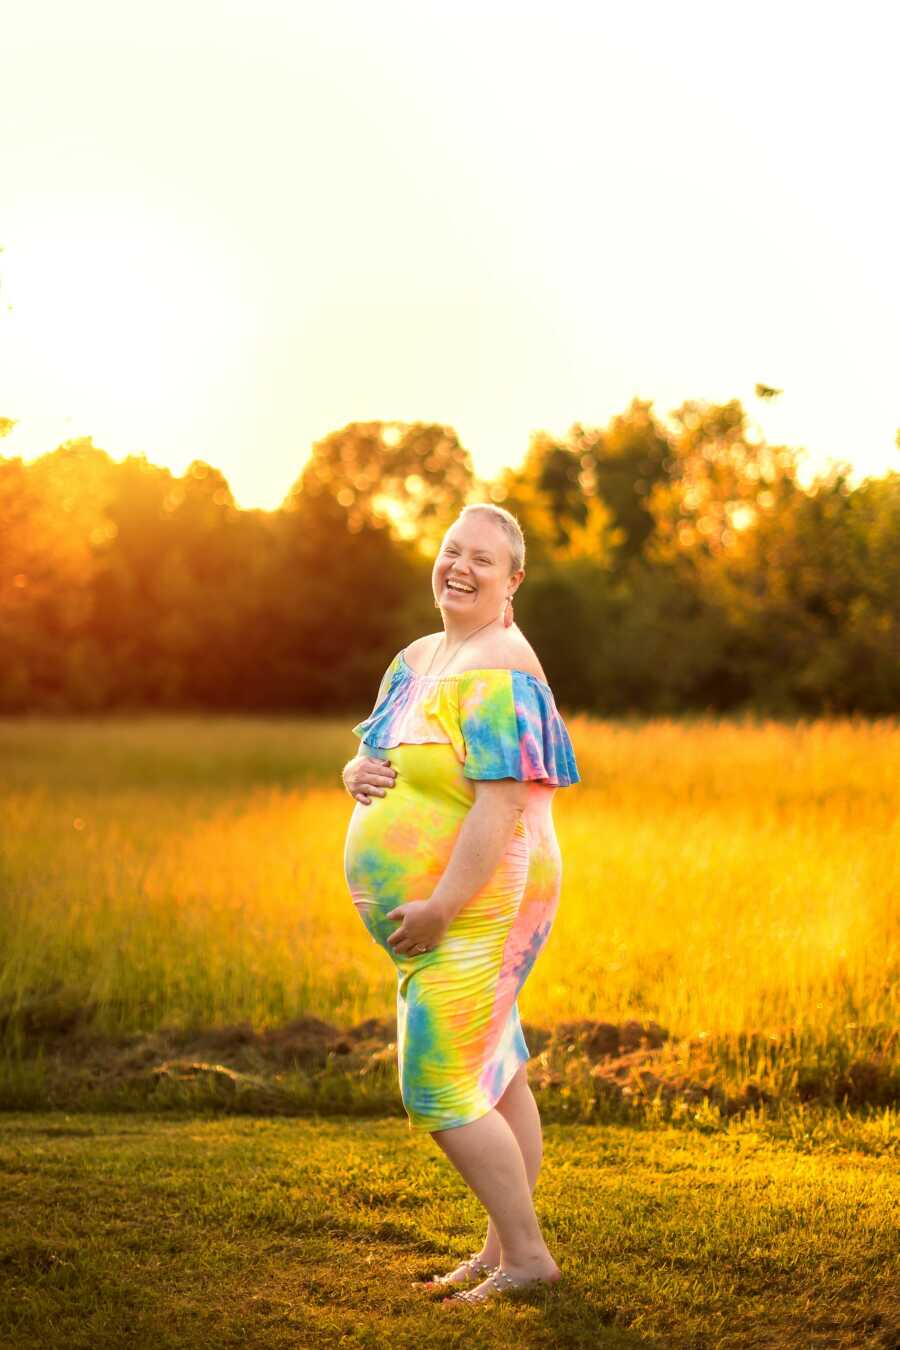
x: 453, y: 864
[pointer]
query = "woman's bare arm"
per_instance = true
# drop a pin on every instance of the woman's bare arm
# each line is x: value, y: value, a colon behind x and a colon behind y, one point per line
x: 481, y: 843
x: 479, y: 846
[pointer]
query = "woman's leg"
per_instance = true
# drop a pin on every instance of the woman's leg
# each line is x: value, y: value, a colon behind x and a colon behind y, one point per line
x: 520, y: 1111
x: 487, y: 1155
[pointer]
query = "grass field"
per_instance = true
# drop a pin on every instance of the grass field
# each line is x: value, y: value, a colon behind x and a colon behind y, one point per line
x: 183, y: 976
x: 734, y: 883
x: 165, y: 1232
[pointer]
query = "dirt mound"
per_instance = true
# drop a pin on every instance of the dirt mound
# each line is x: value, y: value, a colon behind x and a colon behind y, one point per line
x: 576, y: 1066
x: 603, y: 1040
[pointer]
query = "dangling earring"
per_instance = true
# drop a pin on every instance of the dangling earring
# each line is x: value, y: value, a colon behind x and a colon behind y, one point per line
x: 508, y: 613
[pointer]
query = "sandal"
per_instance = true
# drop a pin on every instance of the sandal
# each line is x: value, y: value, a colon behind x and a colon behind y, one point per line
x: 501, y: 1281
x: 475, y: 1269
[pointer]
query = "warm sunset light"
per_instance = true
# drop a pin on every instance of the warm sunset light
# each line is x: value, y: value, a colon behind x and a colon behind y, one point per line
x: 232, y: 229
x: 449, y: 673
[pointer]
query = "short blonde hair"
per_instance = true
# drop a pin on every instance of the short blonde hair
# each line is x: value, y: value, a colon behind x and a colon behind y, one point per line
x: 508, y: 524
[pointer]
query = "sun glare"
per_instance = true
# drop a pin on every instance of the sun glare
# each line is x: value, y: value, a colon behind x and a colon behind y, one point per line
x: 227, y: 240
x: 122, y: 328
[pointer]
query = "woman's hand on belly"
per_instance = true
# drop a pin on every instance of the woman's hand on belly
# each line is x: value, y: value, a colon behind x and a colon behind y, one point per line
x: 366, y: 777
x: 423, y: 925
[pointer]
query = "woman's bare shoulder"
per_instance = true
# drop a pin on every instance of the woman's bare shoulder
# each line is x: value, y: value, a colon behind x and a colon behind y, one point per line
x: 507, y: 651
x: 510, y: 651
x: 422, y: 648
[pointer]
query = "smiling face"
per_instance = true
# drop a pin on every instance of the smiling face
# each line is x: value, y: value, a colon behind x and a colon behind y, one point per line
x: 471, y: 576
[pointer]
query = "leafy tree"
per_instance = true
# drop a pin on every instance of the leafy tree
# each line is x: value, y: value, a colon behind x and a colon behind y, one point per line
x: 52, y: 523
x: 725, y: 584
x: 623, y: 464
x: 561, y: 517
x: 413, y: 477
x: 341, y: 601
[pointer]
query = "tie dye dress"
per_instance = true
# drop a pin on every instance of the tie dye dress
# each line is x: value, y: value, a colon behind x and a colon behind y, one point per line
x: 459, y: 1037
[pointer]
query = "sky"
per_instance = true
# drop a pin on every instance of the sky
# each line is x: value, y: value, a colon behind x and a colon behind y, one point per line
x: 230, y: 227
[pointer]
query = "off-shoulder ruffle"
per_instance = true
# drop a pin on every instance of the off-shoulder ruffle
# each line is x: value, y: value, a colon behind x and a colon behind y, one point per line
x: 501, y: 723
x: 512, y: 729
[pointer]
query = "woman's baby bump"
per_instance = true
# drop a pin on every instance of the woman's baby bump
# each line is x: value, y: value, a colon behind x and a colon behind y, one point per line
x: 399, y: 845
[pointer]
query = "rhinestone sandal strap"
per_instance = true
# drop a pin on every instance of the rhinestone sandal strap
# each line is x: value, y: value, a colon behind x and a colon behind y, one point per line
x: 494, y: 1275
x: 466, y: 1296
x: 473, y: 1264
x: 499, y: 1278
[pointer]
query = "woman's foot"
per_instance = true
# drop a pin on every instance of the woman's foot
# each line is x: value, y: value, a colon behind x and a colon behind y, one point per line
x: 473, y: 1268
x: 504, y: 1278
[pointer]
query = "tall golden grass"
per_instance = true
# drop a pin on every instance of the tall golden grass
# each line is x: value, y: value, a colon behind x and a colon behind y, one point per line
x: 719, y: 876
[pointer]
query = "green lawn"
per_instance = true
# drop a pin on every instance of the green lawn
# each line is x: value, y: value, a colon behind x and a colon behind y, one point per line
x: 175, y: 927
x: 159, y: 1230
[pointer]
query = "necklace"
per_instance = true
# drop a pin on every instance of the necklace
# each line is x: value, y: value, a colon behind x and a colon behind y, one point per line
x: 459, y: 648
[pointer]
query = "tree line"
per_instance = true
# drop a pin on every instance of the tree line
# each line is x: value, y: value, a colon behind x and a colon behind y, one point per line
x: 668, y: 569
